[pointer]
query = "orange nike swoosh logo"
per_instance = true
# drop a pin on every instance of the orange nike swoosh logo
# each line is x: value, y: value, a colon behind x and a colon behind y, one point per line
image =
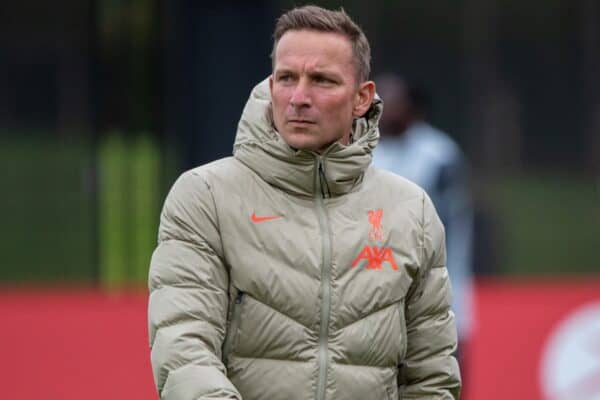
x: 256, y: 218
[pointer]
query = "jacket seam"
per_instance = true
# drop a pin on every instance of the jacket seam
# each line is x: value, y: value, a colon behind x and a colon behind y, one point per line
x: 175, y: 285
x: 197, y: 244
x: 269, y: 359
x: 216, y: 215
x: 179, y: 320
x: 366, y: 365
x: 367, y: 315
x: 309, y: 361
x: 422, y: 273
x: 431, y: 314
x: 178, y: 285
x: 277, y: 311
x: 435, y: 313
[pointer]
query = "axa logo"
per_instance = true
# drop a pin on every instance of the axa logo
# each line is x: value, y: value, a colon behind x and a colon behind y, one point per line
x: 375, y: 256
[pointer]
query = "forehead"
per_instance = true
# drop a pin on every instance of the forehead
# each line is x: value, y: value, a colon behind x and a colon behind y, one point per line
x: 313, y: 49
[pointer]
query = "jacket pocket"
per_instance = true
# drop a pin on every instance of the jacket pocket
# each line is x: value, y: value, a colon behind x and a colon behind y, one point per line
x: 233, y: 326
x: 404, y: 340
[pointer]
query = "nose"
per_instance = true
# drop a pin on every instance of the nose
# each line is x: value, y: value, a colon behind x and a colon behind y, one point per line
x: 300, y: 95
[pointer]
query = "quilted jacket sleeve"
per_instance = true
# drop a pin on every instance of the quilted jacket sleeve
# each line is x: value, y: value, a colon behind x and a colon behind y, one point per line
x: 187, y: 309
x: 430, y: 370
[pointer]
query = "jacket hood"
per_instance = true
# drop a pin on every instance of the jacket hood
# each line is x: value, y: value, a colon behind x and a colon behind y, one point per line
x: 260, y: 147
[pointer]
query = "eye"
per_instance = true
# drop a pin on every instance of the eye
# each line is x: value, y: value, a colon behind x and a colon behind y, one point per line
x: 320, y: 79
x: 284, y: 78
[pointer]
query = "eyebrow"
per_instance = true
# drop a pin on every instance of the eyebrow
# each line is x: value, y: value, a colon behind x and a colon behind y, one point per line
x: 283, y: 71
x: 325, y: 74
x: 317, y: 72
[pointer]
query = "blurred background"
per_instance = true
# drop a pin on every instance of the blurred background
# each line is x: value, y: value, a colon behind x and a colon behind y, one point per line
x: 104, y: 102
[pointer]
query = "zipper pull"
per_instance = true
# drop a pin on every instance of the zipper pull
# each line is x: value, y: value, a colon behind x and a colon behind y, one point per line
x: 238, y: 297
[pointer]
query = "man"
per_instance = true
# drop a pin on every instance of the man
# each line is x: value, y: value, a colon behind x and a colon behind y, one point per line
x: 292, y: 270
x: 412, y: 148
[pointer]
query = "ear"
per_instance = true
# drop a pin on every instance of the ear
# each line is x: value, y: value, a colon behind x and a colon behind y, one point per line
x: 271, y: 84
x: 364, y: 98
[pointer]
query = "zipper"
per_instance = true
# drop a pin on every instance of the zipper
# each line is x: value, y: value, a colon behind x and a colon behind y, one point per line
x: 325, y: 192
x: 233, y: 324
x: 322, y: 192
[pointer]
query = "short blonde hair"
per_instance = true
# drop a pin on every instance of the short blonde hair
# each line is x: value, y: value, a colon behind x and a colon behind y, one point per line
x: 319, y: 19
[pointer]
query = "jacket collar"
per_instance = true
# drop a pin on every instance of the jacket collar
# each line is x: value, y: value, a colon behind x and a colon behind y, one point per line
x: 262, y: 149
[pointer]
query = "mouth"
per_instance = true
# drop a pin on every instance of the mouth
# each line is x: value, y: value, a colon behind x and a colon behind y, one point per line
x: 300, y: 122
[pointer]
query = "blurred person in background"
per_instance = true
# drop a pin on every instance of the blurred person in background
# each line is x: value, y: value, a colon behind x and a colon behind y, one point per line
x: 294, y: 270
x: 412, y: 148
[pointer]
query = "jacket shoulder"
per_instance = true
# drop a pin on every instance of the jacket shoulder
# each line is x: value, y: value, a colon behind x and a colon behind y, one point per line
x: 221, y: 169
x: 222, y: 172
x: 393, y: 184
x: 196, y: 186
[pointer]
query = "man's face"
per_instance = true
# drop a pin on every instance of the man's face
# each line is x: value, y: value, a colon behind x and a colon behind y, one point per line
x: 314, y: 90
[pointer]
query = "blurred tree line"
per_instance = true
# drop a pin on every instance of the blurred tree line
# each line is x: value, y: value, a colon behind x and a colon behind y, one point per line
x: 104, y: 102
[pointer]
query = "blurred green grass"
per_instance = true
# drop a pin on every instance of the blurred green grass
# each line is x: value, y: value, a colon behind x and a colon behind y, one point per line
x: 49, y: 232
x: 46, y: 205
x: 549, y: 224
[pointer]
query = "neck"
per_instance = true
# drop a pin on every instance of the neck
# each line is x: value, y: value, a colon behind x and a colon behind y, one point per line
x: 345, y: 140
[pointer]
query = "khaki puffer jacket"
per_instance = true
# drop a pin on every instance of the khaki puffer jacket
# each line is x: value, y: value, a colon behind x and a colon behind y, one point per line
x: 291, y: 275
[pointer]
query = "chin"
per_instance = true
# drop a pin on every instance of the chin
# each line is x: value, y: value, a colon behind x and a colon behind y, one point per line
x: 300, y: 140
